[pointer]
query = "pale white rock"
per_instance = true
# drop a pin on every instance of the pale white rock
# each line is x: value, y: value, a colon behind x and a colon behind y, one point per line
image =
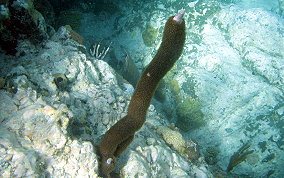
x: 158, y: 159
x: 280, y: 111
x: 58, y: 127
x: 106, y: 72
x: 200, y: 172
x: 237, y: 75
x: 136, y: 166
x: 178, y: 172
x: 7, y: 105
x: 151, y: 141
x: 21, y: 160
x: 128, y: 88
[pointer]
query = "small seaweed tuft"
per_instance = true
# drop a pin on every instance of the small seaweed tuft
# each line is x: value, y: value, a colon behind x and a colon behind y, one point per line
x: 239, y: 157
x: 189, y: 115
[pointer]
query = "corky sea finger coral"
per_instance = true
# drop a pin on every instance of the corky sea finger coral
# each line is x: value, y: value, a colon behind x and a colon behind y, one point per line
x: 120, y: 135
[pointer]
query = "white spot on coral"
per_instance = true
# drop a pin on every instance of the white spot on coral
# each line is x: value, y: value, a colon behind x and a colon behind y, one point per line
x: 109, y: 161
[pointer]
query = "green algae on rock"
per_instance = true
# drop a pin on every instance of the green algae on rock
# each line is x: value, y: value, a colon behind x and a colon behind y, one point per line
x: 149, y: 35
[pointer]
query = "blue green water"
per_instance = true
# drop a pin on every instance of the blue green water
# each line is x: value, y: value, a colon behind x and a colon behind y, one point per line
x: 227, y: 54
x: 226, y: 92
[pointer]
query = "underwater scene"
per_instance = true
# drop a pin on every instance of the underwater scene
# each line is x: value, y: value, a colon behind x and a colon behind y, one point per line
x: 142, y: 88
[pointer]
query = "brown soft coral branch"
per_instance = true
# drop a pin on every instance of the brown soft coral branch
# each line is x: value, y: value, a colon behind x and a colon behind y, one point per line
x: 239, y: 156
x: 121, y: 134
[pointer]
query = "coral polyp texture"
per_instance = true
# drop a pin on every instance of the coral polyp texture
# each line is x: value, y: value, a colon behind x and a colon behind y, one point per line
x: 120, y: 135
